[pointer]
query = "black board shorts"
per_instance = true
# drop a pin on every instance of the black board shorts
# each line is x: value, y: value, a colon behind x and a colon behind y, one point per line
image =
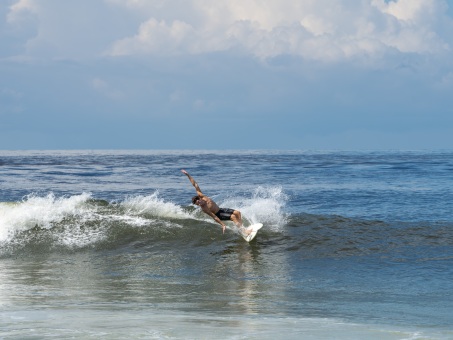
x: 224, y: 214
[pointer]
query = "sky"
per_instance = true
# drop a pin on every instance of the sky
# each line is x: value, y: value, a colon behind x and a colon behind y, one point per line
x: 226, y: 74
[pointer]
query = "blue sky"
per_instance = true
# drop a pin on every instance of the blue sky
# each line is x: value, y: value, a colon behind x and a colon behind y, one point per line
x: 226, y: 74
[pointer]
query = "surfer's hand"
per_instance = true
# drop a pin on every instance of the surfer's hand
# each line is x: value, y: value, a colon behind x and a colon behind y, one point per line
x: 223, y: 228
x: 184, y: 172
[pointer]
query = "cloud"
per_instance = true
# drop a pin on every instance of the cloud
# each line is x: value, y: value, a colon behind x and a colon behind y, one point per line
x: 156, y: 37
x: 417, y: 28
x: 283, y: 67
x: 412, y: 10
x: 341, y: 31
x: 58, y: 29
x: 18, y: 10
x: 307, y: 29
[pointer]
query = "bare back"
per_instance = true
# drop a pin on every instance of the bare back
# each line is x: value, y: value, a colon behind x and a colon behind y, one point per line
x: 209, y: 206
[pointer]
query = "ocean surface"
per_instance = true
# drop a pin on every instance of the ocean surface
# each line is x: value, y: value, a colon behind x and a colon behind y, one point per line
x: 107, y: 245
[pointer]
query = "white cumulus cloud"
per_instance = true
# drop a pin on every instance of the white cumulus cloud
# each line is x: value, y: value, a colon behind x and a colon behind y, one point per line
x: 326, y: 30
x: 157, y: 37
x: 318, y: 30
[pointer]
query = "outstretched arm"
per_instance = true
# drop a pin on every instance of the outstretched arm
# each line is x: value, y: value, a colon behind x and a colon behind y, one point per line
x: 195, y: 184
x: 215, y: 218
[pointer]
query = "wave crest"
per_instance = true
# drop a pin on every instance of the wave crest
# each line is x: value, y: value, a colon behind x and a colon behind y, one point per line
x: 153, y: 205
x: 44, y: 212
x: 80, y: 221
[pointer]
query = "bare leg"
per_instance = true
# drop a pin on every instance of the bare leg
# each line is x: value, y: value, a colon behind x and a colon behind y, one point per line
x: 236, y: 217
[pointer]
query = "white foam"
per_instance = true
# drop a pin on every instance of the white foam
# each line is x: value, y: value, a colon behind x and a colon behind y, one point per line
x: 74, y: 236
x: 155, y: 206
x: 72, y: 214
x: 42, y: 211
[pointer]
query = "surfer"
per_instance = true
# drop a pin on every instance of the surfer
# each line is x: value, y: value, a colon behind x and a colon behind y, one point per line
x: 209, y: 207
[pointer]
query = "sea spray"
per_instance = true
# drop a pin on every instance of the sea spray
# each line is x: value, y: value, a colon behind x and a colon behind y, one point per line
x: 266, y: 205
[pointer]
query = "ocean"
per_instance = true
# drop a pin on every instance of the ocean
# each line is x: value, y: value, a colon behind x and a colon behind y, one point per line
x: 107, y: 245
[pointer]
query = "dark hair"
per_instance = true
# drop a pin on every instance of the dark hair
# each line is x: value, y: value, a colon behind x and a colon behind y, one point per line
x: 195, y: 199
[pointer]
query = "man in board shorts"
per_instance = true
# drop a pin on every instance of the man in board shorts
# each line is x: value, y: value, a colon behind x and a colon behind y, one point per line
x: 209, y: 207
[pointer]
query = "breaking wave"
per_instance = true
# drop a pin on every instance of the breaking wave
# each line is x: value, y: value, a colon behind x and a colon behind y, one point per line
x: 80, y: 221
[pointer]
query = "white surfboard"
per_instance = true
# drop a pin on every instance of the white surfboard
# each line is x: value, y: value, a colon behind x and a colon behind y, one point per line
x: 254, y: 228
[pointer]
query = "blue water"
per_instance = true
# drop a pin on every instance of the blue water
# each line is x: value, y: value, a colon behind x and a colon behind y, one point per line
x: 106, y: 244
